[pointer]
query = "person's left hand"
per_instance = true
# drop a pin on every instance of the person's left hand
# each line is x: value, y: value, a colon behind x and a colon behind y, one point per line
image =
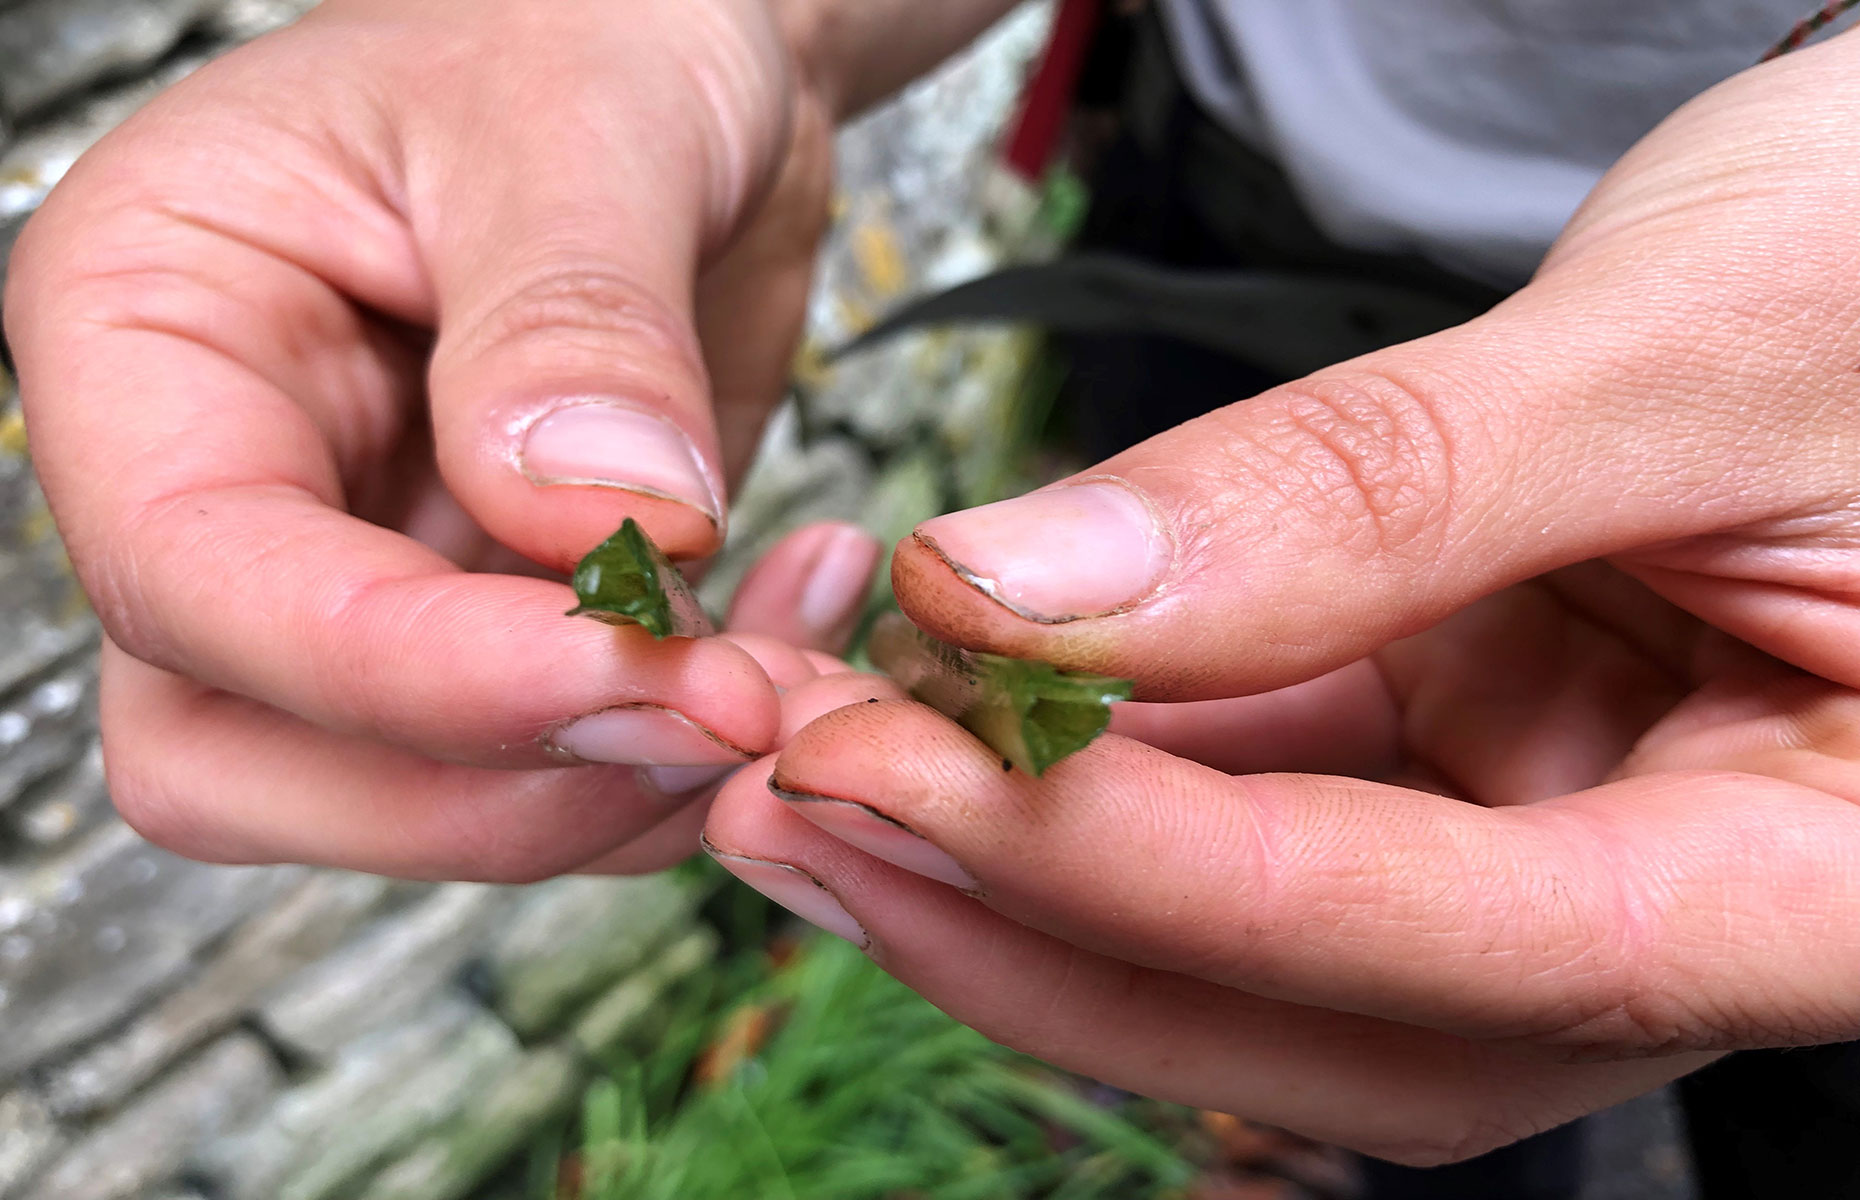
x: 1553, y: 621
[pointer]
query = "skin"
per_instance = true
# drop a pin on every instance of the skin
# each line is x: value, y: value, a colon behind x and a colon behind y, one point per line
x: 1499, y: 757
x: 280, y: 338
x: 1497, y: 753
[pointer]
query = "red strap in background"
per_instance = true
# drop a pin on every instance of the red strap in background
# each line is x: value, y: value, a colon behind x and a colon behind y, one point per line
x: 1042, y: 118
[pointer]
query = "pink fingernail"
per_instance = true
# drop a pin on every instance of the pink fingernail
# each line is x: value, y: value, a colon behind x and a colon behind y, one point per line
x: 842, y: 574
x: 678, y: 782
x: 643, y: 735
x: 1064, y: 554
x: 869, y: 830
x: 608, y: 443
x: 796, y: 891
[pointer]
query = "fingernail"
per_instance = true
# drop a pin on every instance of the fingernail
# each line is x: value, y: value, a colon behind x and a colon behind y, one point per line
x: 1064, y: 554
x: 796, y: 891
x: 644, y: 735
x: 835, y: 591
x: 867, y: 829
x: 611, y: 444
x: 675, y: 782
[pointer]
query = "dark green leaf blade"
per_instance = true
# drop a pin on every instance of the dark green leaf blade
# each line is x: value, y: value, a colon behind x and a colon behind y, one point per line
x: 627, y: 580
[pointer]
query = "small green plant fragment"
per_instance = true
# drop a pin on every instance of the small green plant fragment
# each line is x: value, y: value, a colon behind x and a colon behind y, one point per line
x: 1030, y: 713
x: 628, y: 581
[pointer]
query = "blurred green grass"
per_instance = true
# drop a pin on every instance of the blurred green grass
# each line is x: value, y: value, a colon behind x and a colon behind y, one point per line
x: 803, y: 1072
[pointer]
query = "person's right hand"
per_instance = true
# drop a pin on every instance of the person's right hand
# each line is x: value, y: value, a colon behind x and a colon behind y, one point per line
x: 606, y: 211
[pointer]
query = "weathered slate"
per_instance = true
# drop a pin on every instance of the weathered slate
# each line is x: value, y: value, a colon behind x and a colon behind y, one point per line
x: 145, y: 1145
x: 45, y: 728
x: 64, y: 805
x: 243, y: 20
x: 632, y: 1010
x: 298, y: 930
x: 89, y: 936
x: 51, y: 49
x: 372, y: 1104
x: 494, y: 1127
x: 568, y: 940
x: 387, y: 973
x: 30, y: 1138
x: 45, y: 622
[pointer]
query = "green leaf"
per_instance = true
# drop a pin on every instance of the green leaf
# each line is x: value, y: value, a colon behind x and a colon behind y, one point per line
x: 628, y: 581
x: 1031, y: 713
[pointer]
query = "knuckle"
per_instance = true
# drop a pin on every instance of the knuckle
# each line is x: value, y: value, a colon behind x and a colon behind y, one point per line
x: 1621, y: 1015
x: 569, y: 307
x: 1651, y: 983
x: 1375, y: 454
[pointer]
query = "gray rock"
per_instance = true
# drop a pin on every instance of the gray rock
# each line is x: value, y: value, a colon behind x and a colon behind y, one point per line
x: 69, y: 803
x: 373, y: 1104
x: 45, y: 622
x: 568, y: 940
x: 89, y: 936
x: 50, y: 49
x: 243, y: 20
x: 492, y: 1130
x: 45, y: 727
x: 627, y: 1015
x: 34, y: 163
x: 145, y: 1145
x: 29, y: 1139
x: 299, y: 929
x: 1636, y: 1151
x: 386, y: 974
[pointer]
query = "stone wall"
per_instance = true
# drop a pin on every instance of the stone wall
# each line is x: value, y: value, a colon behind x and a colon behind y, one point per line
x: 171, y: 1030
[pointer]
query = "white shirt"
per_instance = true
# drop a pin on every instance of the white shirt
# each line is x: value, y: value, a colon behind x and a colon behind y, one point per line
x: 1466, y: 131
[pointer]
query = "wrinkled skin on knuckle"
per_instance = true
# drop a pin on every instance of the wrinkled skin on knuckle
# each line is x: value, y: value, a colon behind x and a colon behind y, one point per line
x: 1766, y: 969
x: 1362, y: 462
x: 741, y: 74
x: 577, y: 306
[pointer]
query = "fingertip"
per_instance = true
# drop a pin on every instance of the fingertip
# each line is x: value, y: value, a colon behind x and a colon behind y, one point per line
x: 552, y: 471
x: 810, y: 588
x: 826, y: 664
x: 809, y: 703
x: 611, y: 460
x: 712, y: 704
x: 785, y: 666
x: 941, y: 603
x: 746, y: 820
x: 875, y: 743
x: 838, y: 581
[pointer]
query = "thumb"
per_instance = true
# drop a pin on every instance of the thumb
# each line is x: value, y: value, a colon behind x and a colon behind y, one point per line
x: 569, y: 387
x: 1282, y: 537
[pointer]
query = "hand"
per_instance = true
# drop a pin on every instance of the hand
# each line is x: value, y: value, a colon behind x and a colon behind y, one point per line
x: 1501, y: 759
x: 411, y: 293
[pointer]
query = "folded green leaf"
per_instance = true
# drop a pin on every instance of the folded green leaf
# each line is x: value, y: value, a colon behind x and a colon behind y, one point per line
x: 1030, y: 713
x: 628, y: 581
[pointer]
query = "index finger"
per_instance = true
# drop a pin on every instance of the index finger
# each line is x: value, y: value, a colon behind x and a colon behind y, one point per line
x: 201, y: 407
